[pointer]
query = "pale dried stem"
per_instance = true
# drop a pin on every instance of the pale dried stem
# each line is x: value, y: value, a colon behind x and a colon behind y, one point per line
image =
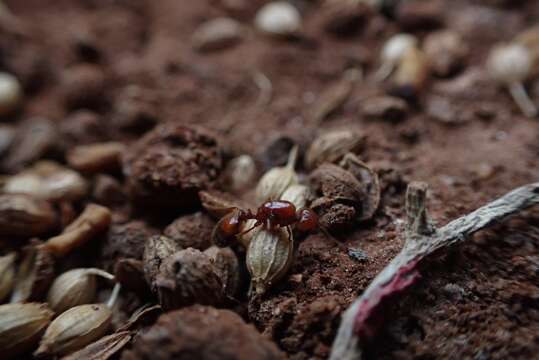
x: 519, y: 94
x: 422, y: 239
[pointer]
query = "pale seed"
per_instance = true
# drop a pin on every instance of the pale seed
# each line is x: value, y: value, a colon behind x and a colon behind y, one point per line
x: 7, y: 274
x: 275, y: 181
x: 331, y: 147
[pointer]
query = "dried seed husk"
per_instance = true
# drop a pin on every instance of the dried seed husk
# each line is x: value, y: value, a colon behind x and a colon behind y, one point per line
x: 412, y: 71
x: 276, y: 180
x: 269, y: 257
x: 188, y: 277
x: 392, y: 52
x: 156, y: 250
x: 94, y: 220
x: 24, y: 216
x: 74, y: 329
x: 334, y: 182
x: 218, y: 203
x: 95, y: 158
x: 48, y: 180
x: 217, y: 34
x: 21, y: 327
x: 334, y: 97
x: 297, y: 194
x: 227, y: 267
x: 104, y: 348
x: 332, y: 146
x: 74, y: 287
x: 240, y: 172
x: 370, y: 182
x: 144, y: 316
x: 7, y: 274
x: 34, y: 276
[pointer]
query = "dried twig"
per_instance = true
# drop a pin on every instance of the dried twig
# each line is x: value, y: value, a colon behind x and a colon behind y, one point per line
x: 422, y: 239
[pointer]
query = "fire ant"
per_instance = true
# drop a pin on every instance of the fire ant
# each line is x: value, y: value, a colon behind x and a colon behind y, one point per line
x: 272, y: 213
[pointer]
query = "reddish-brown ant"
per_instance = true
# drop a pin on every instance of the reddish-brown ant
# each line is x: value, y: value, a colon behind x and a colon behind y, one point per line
x: 272, y: 213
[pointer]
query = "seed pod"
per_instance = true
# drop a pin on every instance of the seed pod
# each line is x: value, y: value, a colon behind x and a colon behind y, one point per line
x: 21, y: 327
x: 94, y: 220
x: 240, y: 172
x: 186, y: 278
x: 104, y: 348
x: 278, y: 18
x: 269, y: 257
x: 34, y: 275
x: 246, y: 238
x: 22, y: 215
x: 74, y: 287
x: 48, y: 180
x: 510, y: 65
x: 217, y: 34
x: 74, y: 329
x: 7, y: 274
x: 297, y: 194
x: 156, y: 250
x: 95, y: 158
x: 392, y: 52
x: 227, y: 267
x: 218, y: 203
x: 331, y: 147
x: 10, y: 93
x: 275, y: 181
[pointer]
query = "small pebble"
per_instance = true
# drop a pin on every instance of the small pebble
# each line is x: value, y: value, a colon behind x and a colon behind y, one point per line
x: 358, y: 254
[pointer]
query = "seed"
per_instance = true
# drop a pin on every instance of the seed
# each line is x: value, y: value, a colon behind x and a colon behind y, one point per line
x: 246, y: 238
x: 156, y: 250
x: 104, y: 348
x: 392, y: 52
x: 217, y: 34
x: 74, y: 329
x: 74, y: 287
x: 297, y: 194
x: 511, y: 65
x: 278, y: 18
x: 331, y: 147
x: 446, y: 52
x: 94, y: 220
x: 276, y: 180
x: 240, y: 172
x: 412, y: 70
x: 227, y: 267
x: 7, y: 274
x: 21, y: 326
x: 10, y: 93
x: 269, y: 257
x: 25, y: 216
x: 48, y: 180
x: 34, y: 275
x: 96, y: 158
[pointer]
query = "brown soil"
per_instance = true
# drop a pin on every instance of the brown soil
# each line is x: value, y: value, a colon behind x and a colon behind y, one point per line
x: 478, y: 302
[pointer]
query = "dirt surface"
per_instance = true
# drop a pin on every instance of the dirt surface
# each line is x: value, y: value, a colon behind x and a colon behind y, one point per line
x: 97, y: 71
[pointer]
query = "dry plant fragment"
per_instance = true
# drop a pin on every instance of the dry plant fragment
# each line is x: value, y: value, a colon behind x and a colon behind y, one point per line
x: 96, y: 158
x: 269, y: 257
x: 7, y: 274
x: 218, y: 203
x: 392, y: 53
x: 104, y: 348
x: 35, y: 274
x: 217, y: 34
x: 48, y: 180
x: 332, y: 146
x: 297, y: 194
x: 188, y: 277
x: 336, y: 95
x: 422, y: 239
x: 74, y: 329
x: 94, y: 220
x: 276, y: 180
x: 240, y: 172
x: 511, y: 65
x: 21, y: 326
x: 74, y: 287
x: 24, y: 216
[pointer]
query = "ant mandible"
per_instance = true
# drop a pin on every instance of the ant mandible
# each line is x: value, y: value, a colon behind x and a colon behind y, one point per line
x: 272, y: 213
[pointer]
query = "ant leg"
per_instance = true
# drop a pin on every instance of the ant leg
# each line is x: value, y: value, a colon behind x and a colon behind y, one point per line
x: 289, y: 233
